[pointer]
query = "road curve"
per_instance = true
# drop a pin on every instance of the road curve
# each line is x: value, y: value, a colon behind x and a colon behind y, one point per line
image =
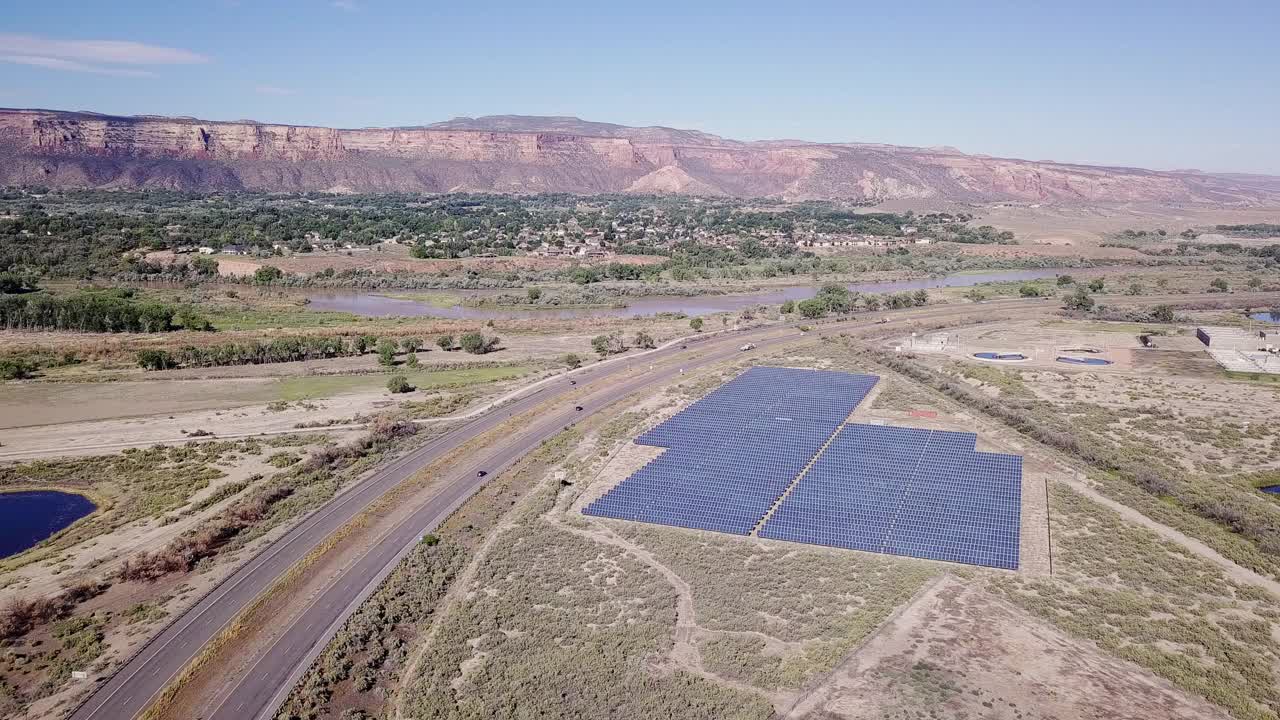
x: 259, y: 692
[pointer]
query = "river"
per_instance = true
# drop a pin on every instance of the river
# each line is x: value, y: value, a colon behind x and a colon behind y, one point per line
x: 373, y: 304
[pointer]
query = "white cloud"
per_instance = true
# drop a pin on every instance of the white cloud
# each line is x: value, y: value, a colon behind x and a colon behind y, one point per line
x: 61, y: 64
x: 102, y: 57
x: 348, y: 5
x: 274, y: 90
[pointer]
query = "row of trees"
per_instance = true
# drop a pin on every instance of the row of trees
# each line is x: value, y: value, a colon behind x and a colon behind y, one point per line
x: 306, y: 347
x: 834, y: 298
x: 96, y: 312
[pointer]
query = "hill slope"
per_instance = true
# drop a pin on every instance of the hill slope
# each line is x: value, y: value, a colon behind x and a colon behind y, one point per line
x: 552, y: 154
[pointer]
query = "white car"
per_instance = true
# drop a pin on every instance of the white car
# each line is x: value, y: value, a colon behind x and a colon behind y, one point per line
x: 748, y: 346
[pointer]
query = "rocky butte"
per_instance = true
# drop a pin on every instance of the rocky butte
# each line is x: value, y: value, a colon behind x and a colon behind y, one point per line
x: 521, y: 154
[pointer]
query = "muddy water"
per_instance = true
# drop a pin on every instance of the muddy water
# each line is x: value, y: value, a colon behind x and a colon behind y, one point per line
x: 374, y: 305
x: 28, y: 517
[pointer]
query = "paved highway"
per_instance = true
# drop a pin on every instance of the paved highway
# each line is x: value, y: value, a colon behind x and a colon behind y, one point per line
x: 258, y: 692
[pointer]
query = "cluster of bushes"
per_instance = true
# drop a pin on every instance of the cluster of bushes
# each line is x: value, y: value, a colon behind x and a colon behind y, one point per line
x: 182, y: 554
x: 96, y: 311
x: 19, y: 615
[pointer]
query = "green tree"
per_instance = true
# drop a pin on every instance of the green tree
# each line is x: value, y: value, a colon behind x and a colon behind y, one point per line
x: 412, y: 360
x: 1135, y: 288
x: 534, y: 294
x: 1079, y: 300
x: 812, y: 308
x: 1255, y: 282
x: 644, y: 340
x: 386, y: 352
x: 267, y: 274
x: 873, y: 302
x: 399, y: 384
x: 788, y: 307
x: 610, y: 344
x: 976, y: 295
x: 1097, y: 284
x: 411, y: 344
x: 572, y: 361
x: 920, y: 297
x: 1030, y: 290
x: 445, y: 342
x: 835, y: 297
x: 696, y: 324
x: 1064, y: 280
x: 1219, y: 285
x: 476, y: 343
x: 1162, y: 313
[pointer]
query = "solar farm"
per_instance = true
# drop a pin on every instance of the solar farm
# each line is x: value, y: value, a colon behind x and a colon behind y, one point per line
x: 771, y: 454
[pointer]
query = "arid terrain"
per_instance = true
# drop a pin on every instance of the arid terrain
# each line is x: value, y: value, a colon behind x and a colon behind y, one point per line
x: 1149, y: 571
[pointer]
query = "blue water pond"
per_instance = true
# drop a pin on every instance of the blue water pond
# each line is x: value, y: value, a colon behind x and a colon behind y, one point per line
x: 28, y: 517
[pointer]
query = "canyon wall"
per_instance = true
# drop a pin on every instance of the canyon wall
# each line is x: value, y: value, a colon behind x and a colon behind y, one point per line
x: 515, y: 154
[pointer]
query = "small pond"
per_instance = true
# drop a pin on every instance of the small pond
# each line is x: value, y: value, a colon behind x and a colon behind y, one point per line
x: 1083, y: 360
x: 28, y: 517
x: 1273, y: 489
x: 1266, y: 316
x: 999, y: 356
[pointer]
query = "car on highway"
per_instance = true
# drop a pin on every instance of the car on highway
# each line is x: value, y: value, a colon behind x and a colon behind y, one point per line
x: 481, y: 473
x: 748, y: 346
x: 578, y: 408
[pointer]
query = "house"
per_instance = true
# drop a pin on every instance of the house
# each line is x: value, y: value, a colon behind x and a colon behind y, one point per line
x: 909, y: 229
x: 206, y: 250
x: 235, y: 250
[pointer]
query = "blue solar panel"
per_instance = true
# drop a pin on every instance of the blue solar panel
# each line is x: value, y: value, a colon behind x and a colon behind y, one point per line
x: 905, y: 491
x: 732, y: 454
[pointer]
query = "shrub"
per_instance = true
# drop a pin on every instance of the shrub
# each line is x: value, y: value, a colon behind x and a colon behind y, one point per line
x: 412, y: 360
x: 445, y: 342
x: 572, y: 361
x: 1030, y: 290
x: 411, y: 344
x: 16, y: 368
x: 812, y: 308
x: 386, y: 352
x: 645, y: 340
x: 608, y: 344
x: 476, y: 343
x: 1079, y: 300
x: 1064, y: 280
x: 1097, y: 284
x: 155, y: 360
x: 788, y: 307
x: 399, y: 384
x: 696, y: 324
x: 1219, y: 285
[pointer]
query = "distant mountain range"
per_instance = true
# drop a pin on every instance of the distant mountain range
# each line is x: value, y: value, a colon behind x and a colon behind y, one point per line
x: 524, y: 154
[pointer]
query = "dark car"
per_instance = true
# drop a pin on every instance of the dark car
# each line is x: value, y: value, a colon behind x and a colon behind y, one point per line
x: 481, y: 473
x: 578, y: 408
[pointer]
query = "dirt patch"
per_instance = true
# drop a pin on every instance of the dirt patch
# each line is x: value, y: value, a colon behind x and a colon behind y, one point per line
x: 961, y: 652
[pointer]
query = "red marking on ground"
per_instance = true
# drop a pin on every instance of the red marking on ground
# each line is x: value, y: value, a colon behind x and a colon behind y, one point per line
x: 924, y: 413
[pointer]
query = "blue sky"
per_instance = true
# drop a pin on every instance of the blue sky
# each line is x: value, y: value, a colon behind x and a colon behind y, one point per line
x: 1161, y: 85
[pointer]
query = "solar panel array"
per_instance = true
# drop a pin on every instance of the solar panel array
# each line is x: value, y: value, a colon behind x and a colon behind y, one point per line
x: 905, y: 491
x: 731, y: 456
x: 733, y: 453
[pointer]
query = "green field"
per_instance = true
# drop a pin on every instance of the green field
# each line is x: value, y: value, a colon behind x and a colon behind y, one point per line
x: 311, y: 387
